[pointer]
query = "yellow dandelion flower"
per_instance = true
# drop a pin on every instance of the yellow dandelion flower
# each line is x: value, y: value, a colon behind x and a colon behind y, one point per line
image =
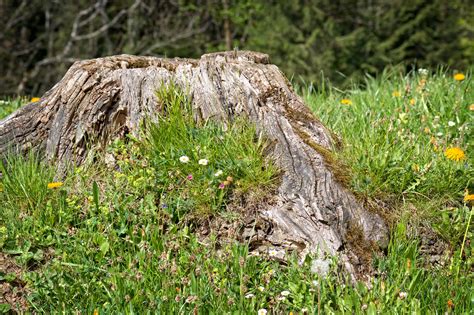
x: 346, y: 101
x: 396, y: 93
x: 468, y: 197
x: 450, y: 303
x: 54, y: 185
x: 427, y: 130
x: 455, y: 154
x: 34, y: 99
x: 471, y: 107
x: 412, y: 101
x: 459, y: 77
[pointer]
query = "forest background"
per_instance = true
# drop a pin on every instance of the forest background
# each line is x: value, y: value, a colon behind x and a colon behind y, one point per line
x: 311, y: 41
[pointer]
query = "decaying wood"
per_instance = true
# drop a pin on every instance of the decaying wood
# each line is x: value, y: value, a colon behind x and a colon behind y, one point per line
x: 98, y: 99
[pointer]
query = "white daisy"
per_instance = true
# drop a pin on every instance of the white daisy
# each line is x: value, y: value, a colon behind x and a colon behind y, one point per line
x: 285, y: 293
x: 184, y: 159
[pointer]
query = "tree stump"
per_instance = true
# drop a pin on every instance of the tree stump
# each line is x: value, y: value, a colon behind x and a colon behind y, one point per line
x: 99, y: 99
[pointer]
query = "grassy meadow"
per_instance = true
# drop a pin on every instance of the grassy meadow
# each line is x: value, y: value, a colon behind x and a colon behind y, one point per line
x: 124, y: 235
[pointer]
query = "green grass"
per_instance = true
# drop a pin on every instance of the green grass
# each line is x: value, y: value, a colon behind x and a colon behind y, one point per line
x: 396, y: 132
x: 120, y: 238
x: 395, y: 144
x: 8, y: 106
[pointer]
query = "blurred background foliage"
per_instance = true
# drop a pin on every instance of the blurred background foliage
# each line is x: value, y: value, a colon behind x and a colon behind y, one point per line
x: 342, y: 40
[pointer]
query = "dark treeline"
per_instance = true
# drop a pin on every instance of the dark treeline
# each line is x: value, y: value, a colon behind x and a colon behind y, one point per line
x: 343, y: 39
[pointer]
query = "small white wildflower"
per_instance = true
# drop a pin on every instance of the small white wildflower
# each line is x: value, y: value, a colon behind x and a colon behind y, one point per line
x: 184, y: 159
x: 249, y: 296
x: 272, y: 252
x: 439, y: 134
x: 402, y: 295
x: 261, y: 289
x: 304, y: 310
x: 316, y: 283
x: 423, y: 72
x: 285, y: 293
x: 320, y: 267
x: 281, y: 298
x: 364, y: 307
x: 203, y: 162
x: 276, y: 253
x: 218, y: 173
x: 262, y: 311
x: 451, y: 123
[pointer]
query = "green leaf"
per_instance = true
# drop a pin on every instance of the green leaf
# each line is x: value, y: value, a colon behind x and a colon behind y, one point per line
x: 5, y: 308
x: 38, y: 256
x: 8, y: 277
x: 104, y: 247
x: 95, y: 194
x: 293, y: 287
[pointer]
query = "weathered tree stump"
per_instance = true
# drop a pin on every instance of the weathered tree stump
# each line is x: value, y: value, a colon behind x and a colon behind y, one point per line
x: 98, y: 99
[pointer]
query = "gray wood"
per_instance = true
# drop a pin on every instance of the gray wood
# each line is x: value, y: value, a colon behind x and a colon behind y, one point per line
x: 97, y: 99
